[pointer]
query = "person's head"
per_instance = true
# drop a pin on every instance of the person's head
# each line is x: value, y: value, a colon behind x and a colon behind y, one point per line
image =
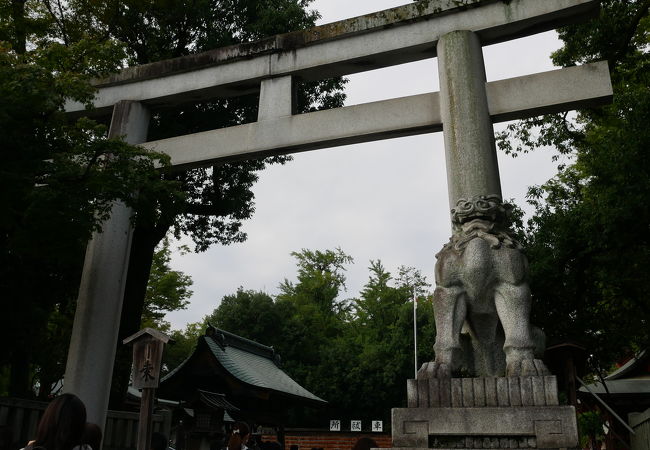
x: 158, y: 441
x: 364, y: 443
x: 62, y: 424
x: 238, y: 436
x: 92, y: 435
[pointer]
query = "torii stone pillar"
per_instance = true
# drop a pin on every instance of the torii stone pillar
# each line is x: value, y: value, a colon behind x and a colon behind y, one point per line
x: 481, y: 282
x: 472, y: 167
x: 93, y: 343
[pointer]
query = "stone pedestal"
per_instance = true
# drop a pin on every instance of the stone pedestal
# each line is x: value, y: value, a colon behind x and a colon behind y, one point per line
x: 478, y: 413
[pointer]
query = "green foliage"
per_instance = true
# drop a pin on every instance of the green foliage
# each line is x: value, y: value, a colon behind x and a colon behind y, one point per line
x: 182, y: 345
x: 587, y: 241
x: 59, y: 177
x: 382, y: 334
x: 590, y: 427
x: 356, y: 354
x: 58, y: 181
x: 251, y: 314
x: 320, y: 278
x: 217, y: 200
x: 167, y: 290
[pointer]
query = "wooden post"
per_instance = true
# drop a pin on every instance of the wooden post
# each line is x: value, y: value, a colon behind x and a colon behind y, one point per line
x: 145, y: 423
x: 148, y: 346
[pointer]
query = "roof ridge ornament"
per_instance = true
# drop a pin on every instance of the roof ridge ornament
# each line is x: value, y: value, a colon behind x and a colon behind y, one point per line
x: 277, y: 359
x: 217, y: 336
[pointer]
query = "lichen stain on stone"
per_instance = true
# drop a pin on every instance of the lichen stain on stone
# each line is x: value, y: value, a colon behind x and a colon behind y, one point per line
x: 422, y: 10
x: 509, y: 9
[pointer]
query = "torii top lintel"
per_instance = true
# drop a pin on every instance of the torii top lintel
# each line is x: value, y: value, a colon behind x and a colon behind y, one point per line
x: 390, y: 37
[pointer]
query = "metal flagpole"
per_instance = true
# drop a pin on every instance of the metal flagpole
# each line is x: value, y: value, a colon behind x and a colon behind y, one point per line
x: 415, y: 333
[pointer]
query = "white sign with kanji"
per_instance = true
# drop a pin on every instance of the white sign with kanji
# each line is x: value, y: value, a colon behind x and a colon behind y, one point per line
x: 377, y: 426
x: 355, y: 425
x: 335, y: 425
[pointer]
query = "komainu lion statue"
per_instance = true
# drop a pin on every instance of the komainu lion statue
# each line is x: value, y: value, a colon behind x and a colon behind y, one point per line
x: 482, y: 288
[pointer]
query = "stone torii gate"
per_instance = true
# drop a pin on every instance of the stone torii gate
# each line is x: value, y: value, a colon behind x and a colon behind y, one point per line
x: 465, y: 108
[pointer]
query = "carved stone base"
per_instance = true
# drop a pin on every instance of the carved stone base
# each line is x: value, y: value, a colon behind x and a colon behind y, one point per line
x: 480, y: 392
x: 477, y: 413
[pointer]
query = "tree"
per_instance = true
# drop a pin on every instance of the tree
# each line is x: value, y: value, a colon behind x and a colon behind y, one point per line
x: 302, y: 323
x: 354, y: 353
x: 167, y: 289
x: 587, y: 241
x: 182, y: 345
x: 320, y: 279
x: 58, y: 180
x: 253, y: 315
x: 317, y: 314
x: 218, y: 199
x: 382, y: 333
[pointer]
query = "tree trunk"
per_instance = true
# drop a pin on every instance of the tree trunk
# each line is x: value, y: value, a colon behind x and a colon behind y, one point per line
x: 19, y: 43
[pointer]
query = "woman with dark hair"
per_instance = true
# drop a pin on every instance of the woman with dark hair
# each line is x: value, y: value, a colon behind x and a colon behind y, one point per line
x: 62, y: 425
x: 239, y: 436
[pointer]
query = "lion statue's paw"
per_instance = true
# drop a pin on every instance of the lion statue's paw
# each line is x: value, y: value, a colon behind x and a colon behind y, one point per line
x: 434, y: 369
x: 526, y: 368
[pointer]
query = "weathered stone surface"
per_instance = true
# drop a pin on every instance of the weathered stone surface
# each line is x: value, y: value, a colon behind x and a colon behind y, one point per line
x: 381, y: 39
x: 423, y: 393
x: 434, y: 392
x: 503, y: 394
x: 380, y: 120
x: 481, y: 267
x: 526, y: 390
x: 482, y: 260
x: 543, y: 427
x: 514, y: 391
x: 539, y: 396
x: 550, y: 390
x: 445, y: 392
x: 277, y: 98
x: 456, y: 392
x: 468, y: 133
x: 478, y: 385
x: 412, y: 393
x: 482, y: 392
x: 468, y: 391
x: 93, y: 343
x: 491, y: 398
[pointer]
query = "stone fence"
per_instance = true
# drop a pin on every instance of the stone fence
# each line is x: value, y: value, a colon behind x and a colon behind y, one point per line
x: 120, y: 433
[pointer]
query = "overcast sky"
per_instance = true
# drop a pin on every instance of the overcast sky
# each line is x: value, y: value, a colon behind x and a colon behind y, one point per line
x: 385, y: 200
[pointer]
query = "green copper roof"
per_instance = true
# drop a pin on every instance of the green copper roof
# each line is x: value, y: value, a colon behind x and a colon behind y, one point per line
x: 253, y: 363
x: 249, y: 361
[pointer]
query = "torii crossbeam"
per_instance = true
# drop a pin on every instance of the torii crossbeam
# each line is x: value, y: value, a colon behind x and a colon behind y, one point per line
x: 465, y: 109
